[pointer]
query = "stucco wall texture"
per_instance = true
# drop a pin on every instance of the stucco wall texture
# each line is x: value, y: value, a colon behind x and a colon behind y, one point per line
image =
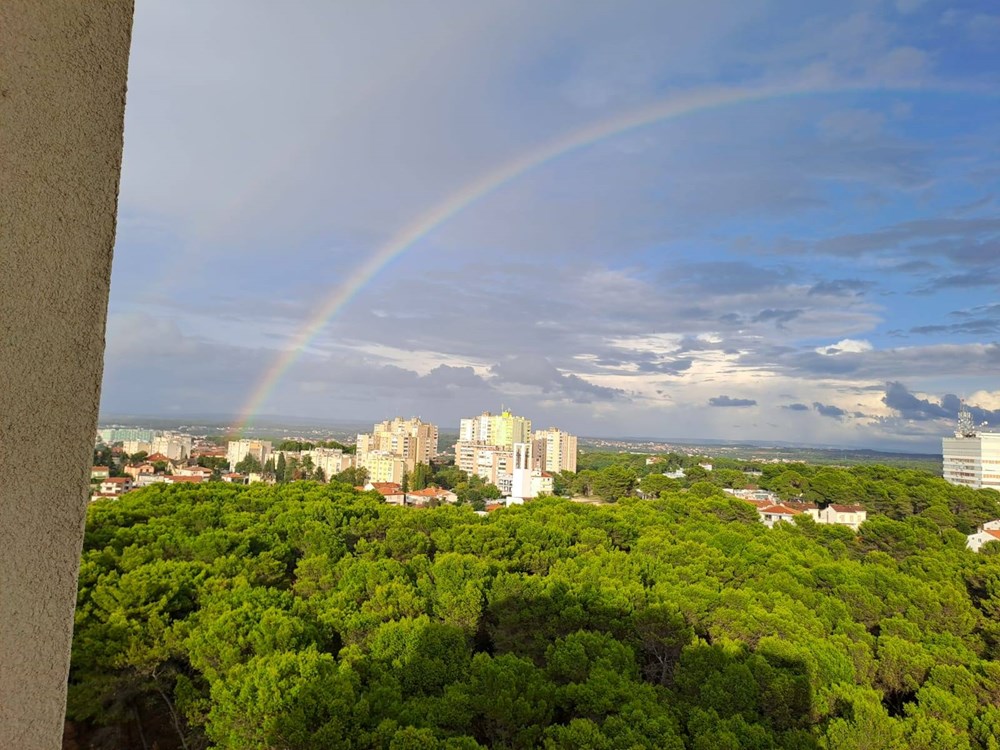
x: 62, y: 97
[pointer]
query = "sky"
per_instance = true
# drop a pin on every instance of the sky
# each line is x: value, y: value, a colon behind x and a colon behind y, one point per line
x: 811, y: 254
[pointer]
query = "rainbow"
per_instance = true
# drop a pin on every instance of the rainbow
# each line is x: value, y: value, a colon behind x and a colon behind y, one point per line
x: 405, y: 238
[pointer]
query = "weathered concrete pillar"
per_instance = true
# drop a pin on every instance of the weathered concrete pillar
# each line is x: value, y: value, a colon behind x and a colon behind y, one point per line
x: 62, y: 101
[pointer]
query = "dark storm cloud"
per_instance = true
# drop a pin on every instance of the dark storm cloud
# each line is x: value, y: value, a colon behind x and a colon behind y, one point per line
x: 898, y: 398
x: 988, y: 310
x: 978, y: 327
x: 915, y: 266
x: 667, y: 367
x: 539, y: 372
x: 731, y: 277
x: 828, y: 410
x: 964, y: 280
x: 694, y: 344
x: 730, y: 401
x: 971, y: 241
x: 911, y: 361
x: 841, y: 287
x: 447, y: 376
x: 779, y: 317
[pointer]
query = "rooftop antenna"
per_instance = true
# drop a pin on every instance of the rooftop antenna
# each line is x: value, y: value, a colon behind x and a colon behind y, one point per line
x: 966, y: 427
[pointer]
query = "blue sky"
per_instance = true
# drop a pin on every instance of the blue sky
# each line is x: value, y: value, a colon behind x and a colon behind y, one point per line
x: 820, y: 267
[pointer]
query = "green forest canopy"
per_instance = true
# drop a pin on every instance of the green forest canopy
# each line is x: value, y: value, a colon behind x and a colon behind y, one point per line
x: 315, y: 616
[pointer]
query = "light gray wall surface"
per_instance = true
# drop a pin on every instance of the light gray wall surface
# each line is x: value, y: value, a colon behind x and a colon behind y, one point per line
x: 62, y: 97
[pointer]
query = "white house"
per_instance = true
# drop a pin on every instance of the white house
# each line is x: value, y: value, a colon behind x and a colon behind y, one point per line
x: 843, y: 515
x: 977, y: 540
x: 116, y: 485
x: 772, y: 514
x: 193, y: 471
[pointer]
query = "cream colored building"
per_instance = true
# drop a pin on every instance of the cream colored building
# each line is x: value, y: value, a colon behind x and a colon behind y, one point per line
x: 137, y: 446
x: 240, y: 449
x: 553, y: 450
x: 331, y: 460
x: 541, y: 483
x: 851, y: 516
x: 412, y: 440
x: 490, y: 462
x: 382, y: 466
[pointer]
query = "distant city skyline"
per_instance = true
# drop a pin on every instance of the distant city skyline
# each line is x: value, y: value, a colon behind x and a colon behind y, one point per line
x: 805, y: 250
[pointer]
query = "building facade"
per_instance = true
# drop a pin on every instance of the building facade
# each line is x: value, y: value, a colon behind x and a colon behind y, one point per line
x: 174, y: 446
x: 111, y: 435
x: 501, y: 430
x: 240, y: 449
x: 412, y: 440
x: 553, y: 451
x: 131, y: 447
x: 382, y: 467
x: 972, y: 457
x: 331, y: 460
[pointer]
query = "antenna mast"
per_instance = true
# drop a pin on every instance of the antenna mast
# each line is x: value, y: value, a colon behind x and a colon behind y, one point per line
x: 966, y: 427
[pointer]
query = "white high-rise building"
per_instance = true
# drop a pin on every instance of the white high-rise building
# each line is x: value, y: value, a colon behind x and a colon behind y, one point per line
x: 501, y: 430
x: 174, y: 446
x: 240, y: 449
x: 972, y: 457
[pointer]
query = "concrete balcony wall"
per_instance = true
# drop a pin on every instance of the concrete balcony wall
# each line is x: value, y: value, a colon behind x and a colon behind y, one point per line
x: 62, y: 97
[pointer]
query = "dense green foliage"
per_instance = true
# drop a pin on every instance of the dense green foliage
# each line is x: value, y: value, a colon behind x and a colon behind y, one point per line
x: 314, y: 616
x: 893, y: 492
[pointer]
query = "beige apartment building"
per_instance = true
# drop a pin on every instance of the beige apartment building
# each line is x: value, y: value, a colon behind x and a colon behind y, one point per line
x: 382, y: 466
x: 331, y: 460
x: 553, y: 450
x: 490, y: 462
x: 412, y: 440
x: 396, y: 446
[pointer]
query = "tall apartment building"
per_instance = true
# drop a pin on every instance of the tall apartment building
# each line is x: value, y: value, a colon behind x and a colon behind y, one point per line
x: 395, y: 446
x: 412, y: 440
x: 553, y: 451
x: 121, y: 434
x: 331, y: 460
x: 136, y: 446
x: 501, y: 430
x: 489, y: 462
x: 240, y: 449
x: 972, y: 457
x: 487, y: 446
x: 382, y: 466
x: 174, y: 446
